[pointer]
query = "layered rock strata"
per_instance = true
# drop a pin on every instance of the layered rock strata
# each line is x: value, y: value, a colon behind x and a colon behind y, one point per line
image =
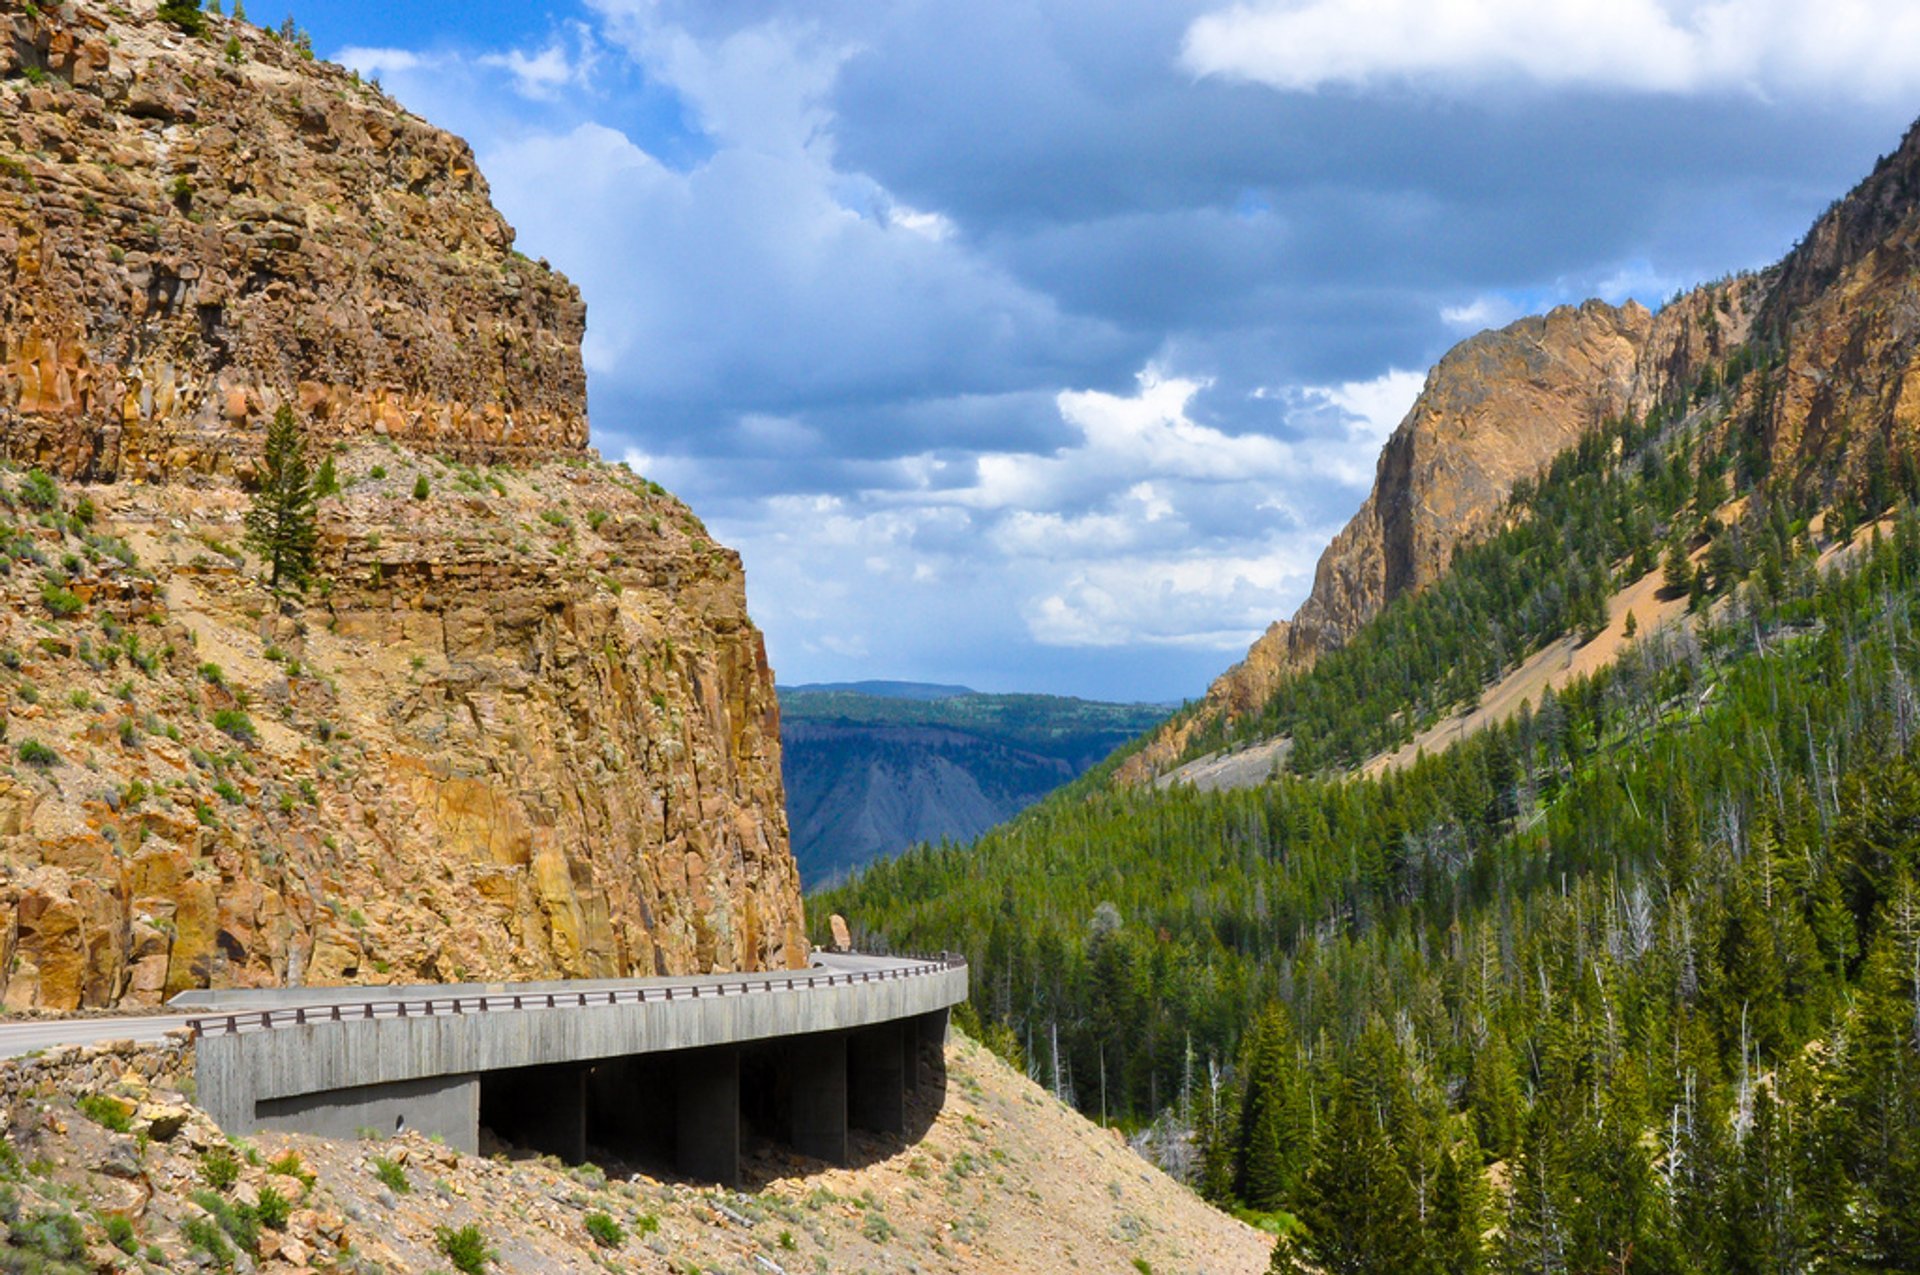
x: 523, y: 725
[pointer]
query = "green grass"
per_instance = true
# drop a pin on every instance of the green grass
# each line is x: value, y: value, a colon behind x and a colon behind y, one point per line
x: 392, y: 1175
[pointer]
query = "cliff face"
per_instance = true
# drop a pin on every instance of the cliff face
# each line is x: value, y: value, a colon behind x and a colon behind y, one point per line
x: 188, y: 238
x: 523, y: 727
x: 1495, y: 410
x: 1846, y: 313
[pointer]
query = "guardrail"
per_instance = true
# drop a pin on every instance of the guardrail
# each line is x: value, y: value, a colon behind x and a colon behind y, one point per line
x: 511, y: 1002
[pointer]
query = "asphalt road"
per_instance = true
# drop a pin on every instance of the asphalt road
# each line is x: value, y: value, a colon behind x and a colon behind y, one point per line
x: 25, y: 1038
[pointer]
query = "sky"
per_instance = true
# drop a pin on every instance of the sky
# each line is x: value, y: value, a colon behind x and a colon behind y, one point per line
x: 1043, y: 344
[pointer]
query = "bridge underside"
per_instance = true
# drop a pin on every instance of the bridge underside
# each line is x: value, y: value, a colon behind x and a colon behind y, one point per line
x: 688, y: 1108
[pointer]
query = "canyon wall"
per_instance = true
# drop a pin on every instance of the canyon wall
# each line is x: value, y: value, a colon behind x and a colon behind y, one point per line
x: 522, y: 724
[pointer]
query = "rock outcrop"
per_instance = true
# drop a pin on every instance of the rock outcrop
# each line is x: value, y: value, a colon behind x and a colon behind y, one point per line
x: 522, y: 727
x: 1839, y: 318
x: 1495, y: 410
x: 192, y: 233
x: 1845, y: 315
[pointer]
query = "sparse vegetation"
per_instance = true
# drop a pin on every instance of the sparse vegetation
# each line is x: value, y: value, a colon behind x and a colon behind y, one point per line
x: 281, y: 525
x: 466, y: 1248
x: 391, y: 1175
x: 606, y: 1232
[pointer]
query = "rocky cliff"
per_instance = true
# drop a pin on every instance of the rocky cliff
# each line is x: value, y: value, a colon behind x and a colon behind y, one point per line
x: 192, y: 231
x: 523, y: 726
x: 1495, y: 410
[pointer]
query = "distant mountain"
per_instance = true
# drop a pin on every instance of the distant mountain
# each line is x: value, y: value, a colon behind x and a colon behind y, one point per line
x: 884, y: 690
x: 874, y: 767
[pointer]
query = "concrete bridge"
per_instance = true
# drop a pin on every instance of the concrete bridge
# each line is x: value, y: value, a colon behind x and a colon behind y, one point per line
x: 671, y: 1069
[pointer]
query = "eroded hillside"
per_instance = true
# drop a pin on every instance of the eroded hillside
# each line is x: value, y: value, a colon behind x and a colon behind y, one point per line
x: 1004, y: 1179
x: 1496, y: 410
x: 522, y: 724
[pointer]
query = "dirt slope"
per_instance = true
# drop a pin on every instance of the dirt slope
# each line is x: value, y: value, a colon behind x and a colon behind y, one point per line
x: 1004, y: 1180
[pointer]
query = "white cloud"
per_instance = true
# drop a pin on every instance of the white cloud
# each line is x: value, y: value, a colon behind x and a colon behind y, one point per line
x: 1484, y: 311
x: 1854, y: 48
x: 1376, y: 407
x: 381, y: 62
x: 565, y: 63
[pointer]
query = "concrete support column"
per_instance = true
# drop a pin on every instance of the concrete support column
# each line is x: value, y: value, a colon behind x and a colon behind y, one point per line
x: 706, y: 1115
x: 876, y: 1079
x: 817, y: 1068
x: 931, y: 1031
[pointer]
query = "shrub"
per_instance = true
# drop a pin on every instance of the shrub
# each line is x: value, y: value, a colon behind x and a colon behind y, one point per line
x: 391, y: 1175
x: 420, y: 488
x: 377, y: 472
x: 606, y: 1232
x: 37, y: 490
x: 60, y: 600
x: 51, y: 1234
x: 234, y: 722
x: 104, y: 1111
x: 220, y: 1168
x: 273, y: 1208
x: 213, y: 673
x: 185, y: 15
x: 466, y: 1248
x: 237, y: 1220
x: 204, y: 1234
x: 35, y: 753
x: 595, y: 518
x: 120, y: 1232
x: 291, y: 1166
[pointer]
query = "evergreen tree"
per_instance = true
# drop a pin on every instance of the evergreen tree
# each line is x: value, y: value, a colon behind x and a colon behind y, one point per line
x: 1274, y: 1141
x: 280, y: 523
x: 1456, y: 1220
x: 1537, y: 1236
x: 1493, y: 1097
x: 1358, y: 1206
x: 1676, y: 572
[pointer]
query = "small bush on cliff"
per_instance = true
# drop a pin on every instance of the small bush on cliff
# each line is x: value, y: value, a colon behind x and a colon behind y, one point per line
x: 391, y: 1175
x: 235, y: 722
x: 606, y: 1232
x: 281, y: 523
x: 420, y: 488
x: 185, y: 15
x: 220, y: 1168
x: 35, y: 753
x: 37, y: 490
x: 466, y: 1248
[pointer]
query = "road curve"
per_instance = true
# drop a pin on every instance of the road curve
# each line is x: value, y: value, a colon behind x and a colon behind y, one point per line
x: 253, y: 1009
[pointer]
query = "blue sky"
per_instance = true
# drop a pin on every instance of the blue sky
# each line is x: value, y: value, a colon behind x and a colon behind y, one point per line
x: 1042, y: 345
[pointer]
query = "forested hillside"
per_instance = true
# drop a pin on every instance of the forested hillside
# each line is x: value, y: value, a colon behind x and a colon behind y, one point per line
x: 1631, y: 982
x: 872, y: 768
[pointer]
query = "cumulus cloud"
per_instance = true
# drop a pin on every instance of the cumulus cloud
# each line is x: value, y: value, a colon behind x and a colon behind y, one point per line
x: 870, y: 285
x: 1865, y: 48
x: 566, y: 61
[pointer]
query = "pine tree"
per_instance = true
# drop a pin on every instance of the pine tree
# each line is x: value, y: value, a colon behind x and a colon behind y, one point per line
x: 1493, y: 1096
x: 1358, y: 1206
x: 280, y: 524
x: 1676, y: 573
x: 1457, y: 1219
x: 1273, y: 1117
